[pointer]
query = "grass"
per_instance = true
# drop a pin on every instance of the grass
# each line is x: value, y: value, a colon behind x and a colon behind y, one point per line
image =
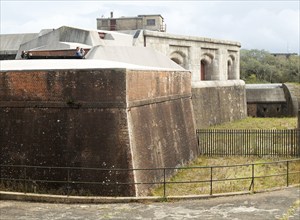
x: 221, y: 173
x: 260, y: 123
x: 200, y: 170
x: 291, y: 211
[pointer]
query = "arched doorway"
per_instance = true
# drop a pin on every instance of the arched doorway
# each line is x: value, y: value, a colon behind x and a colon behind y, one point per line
x: 206, y: 67
x: 230, y: 67
x: 203, y: 70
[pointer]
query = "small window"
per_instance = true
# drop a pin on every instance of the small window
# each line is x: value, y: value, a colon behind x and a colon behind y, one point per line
x: 105, y: 23
x: 151, y: 22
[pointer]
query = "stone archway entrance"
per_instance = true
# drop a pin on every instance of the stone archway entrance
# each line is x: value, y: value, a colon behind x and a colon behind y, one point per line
x: 202, y: 70
x: 206, y: 67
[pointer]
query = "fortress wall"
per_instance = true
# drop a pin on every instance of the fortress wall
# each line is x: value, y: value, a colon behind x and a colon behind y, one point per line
x: 219, y: 102
x: 104, y: 118
x: 166, y: 137
x: 63, y: 118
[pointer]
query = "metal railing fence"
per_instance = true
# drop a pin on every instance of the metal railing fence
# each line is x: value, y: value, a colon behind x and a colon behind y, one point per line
x: 17, y: 178
x: 218, y: 142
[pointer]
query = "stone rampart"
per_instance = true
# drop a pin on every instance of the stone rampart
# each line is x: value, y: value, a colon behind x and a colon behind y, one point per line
x: 216, y: 102
x: 103, y: 118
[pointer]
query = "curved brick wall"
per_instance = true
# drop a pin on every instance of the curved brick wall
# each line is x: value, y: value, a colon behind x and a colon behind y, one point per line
x: 104, y: 118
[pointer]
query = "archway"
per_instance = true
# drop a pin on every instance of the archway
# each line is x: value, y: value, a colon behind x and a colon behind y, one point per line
x: 203, y: 70
x: 230, y: 67
x: 206, y: 67
x: 179, y: 58
x: 176, y: 60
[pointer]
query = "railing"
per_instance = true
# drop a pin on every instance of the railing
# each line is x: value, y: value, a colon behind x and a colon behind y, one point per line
x: 216, y: 142
x: 206, y: 179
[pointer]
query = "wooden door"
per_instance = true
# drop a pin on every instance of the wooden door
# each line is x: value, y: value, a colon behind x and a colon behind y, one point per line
x: 202, y: 71
x: 113, y: 24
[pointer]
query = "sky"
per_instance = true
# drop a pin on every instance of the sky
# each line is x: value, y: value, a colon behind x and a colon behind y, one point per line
x: 271, y: 25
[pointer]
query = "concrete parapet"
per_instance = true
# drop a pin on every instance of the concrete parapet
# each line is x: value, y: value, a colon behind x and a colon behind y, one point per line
x: 104, y: 118
x: 216, y: 102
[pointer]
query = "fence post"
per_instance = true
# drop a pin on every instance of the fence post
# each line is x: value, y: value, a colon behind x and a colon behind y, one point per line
x: 211, y: 181
x: 1, y: 176
x: 68, y: 181
x: 164, y: 182
x: 25, y: 177
x: 297, y: 131
x: 287, y: 173
x: 198, y: 142
x: 253, y: 178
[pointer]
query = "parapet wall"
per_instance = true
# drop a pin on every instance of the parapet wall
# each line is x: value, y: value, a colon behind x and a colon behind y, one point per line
x: 218, y: 102
x: 104, y: 118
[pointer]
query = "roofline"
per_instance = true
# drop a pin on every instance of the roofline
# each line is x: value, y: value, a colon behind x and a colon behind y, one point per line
x: 123, y: 18
x: 189, y: 38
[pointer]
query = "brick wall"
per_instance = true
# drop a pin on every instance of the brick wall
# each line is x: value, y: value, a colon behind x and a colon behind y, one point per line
x: 104, y: 118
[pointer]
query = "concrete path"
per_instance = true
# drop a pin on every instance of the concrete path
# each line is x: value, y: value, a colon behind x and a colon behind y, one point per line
x: 262, y: 206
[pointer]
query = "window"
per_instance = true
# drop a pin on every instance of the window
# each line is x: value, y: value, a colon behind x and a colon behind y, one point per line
x: 105, y: 23
x: 203, y: 69
x: 151, y: 22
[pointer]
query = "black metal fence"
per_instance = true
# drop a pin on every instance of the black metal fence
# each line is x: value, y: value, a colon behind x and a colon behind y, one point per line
x: 216, y: 142
x: 208, y: 180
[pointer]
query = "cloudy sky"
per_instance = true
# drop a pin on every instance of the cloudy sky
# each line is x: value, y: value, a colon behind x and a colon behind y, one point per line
x: 272, y: 25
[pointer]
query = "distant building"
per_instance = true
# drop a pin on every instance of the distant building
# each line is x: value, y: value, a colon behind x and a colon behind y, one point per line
x: 286, y: 55
x: 145, y: 22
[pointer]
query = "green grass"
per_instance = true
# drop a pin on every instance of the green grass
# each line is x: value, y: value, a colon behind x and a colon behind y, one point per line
x: 260, y: 123
x: 204, y: 174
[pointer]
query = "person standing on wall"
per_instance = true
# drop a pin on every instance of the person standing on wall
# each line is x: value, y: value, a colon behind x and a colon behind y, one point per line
x: 79, y: 52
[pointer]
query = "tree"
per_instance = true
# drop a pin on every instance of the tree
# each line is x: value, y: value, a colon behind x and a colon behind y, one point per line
x: 260, y: 66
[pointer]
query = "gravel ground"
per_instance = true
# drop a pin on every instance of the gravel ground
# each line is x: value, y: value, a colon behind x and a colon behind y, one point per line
x: 264, y: 206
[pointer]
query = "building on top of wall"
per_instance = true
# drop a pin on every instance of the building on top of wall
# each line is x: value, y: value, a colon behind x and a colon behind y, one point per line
x: 208, y: 59
x: 148, y: 22
x: 218, y: 93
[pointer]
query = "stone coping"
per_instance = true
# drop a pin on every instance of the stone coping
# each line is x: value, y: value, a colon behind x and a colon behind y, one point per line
x: 217, y: 83
x: 190, y: 38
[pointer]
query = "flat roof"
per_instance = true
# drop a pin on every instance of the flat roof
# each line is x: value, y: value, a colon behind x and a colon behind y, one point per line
x: 264, y: 86
x: 52, y: 64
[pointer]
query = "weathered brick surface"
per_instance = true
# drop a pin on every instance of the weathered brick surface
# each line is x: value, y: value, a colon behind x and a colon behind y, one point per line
x: 143, y: 85
x: 166, y: 137
x: 64, y: 85
x: 108, y: 118
x: 216, y: 105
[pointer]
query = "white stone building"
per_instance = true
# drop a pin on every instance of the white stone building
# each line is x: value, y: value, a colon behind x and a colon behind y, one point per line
x: 207, y: 59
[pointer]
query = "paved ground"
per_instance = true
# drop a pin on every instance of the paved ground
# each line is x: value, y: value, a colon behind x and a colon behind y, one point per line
x: 262, y: 206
